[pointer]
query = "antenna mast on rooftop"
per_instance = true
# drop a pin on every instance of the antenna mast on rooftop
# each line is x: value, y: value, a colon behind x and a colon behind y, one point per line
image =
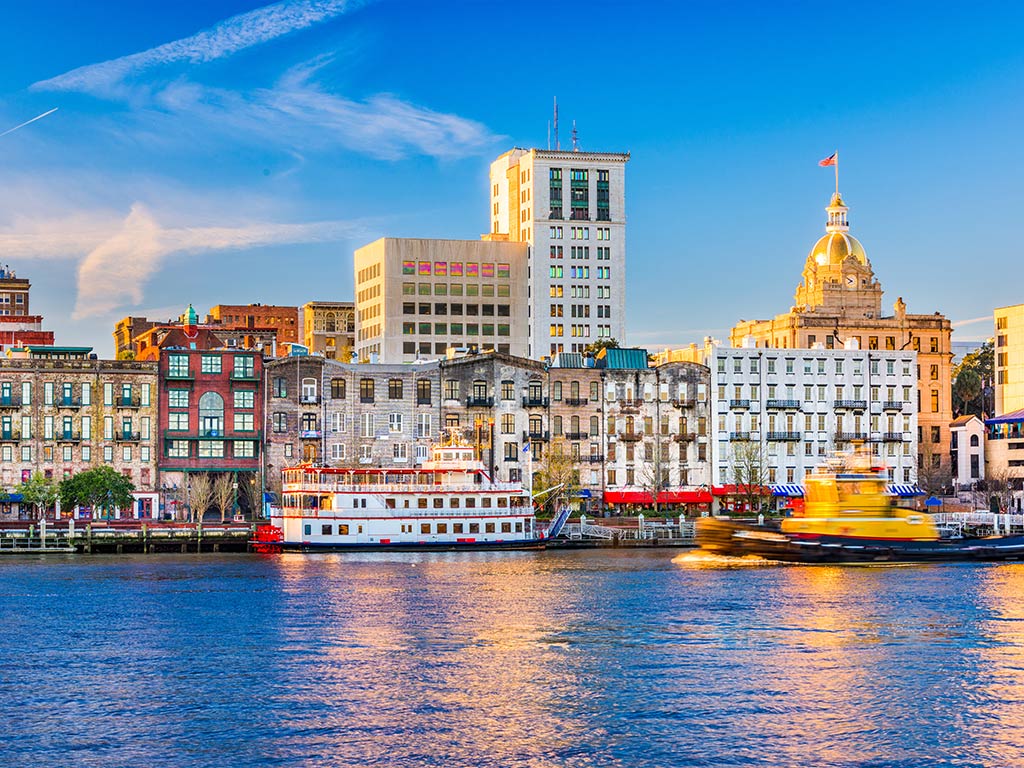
x: 575, y: 143
x: 557, y: 146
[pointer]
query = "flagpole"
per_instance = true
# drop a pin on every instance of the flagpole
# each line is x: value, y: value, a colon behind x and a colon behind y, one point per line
x: 837, y: 173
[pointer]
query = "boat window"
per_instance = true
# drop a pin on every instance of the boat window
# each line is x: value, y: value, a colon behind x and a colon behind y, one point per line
x: 442, y: 527
x: 456, y: 527
x: 519, y: 527
x: 470, y: 502
x: 343, y: 530
x: 363, y: 504
x: 438, y: 503
x: 421, y: 503
x: 406, y: 504
x: 488, y: 527
x: 326, y: 530
x: 360, y: 529
x: 473, y: 528
x: 355, y: 502
x: 455, y: 502
x: 485, y: 501
x: 506, y: 527
x: 307, y: 529
x: 503, y: 501
x: 389, y: 503
x: 424, y: 527
x: 529, y: 525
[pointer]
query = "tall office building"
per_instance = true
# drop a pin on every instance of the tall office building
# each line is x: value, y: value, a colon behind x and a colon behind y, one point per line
x: 570, y: 208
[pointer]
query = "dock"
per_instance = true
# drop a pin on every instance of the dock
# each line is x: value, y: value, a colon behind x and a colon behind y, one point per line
x: 121, y: 537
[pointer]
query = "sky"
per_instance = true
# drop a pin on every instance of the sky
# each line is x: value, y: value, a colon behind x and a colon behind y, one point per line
x: 236, y: 152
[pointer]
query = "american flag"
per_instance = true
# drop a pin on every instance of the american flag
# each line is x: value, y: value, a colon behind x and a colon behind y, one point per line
x: 830, y: 160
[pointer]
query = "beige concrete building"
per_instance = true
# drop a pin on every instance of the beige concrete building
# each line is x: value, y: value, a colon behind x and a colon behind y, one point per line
x: 570, y: 207
x: 329, y: 329
x: 415, y: 298
x: 63, y: 415
x: 839, y: 304
x: 1009, y: 358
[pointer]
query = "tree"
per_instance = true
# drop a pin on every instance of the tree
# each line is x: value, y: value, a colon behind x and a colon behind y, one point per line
x: 1000, y: 484
x: 558, y: 479
x: 126, y: 354
x: 974, y: 395
x: 652, y: 476
x: 595, y: 347
x: 250, y: 492
x: 200, y: 495
x: 933, y: 474
x: 750, y: 474
x: 224, y: 493
x: 103, y: 488
x: 40, y: 492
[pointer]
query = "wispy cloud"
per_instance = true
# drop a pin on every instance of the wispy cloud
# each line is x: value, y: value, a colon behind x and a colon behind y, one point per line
x: 219, y: 41
x: 116, y: 258
x: 973, y: 321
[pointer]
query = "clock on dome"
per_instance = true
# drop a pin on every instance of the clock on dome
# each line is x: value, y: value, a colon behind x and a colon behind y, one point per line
x: 851, y: 281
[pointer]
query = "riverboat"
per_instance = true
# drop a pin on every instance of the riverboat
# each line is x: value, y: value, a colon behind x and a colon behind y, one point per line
x: 847, y: 516
x: 450, y: 502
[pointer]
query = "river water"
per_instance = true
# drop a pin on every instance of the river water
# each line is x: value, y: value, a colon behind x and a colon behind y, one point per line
x: 606, y: 658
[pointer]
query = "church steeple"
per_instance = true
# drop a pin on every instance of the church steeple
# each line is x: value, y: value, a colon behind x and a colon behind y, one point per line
x: 837, y: 210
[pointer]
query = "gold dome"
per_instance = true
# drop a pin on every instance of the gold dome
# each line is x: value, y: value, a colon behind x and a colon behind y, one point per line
x: 835, y: 247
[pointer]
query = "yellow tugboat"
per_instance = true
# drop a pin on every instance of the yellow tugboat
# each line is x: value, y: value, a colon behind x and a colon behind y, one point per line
x: 847, y: 516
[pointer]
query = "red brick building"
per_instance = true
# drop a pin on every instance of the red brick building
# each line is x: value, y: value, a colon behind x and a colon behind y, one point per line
x: 210, y: 417
x: 17, y: 327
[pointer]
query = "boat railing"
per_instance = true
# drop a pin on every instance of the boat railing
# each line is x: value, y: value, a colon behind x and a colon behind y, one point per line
x: 405, y: 512
x: 386, y: 488
x: 988, y: 520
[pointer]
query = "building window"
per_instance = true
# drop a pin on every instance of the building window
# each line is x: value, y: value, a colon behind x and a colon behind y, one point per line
x: 177, y: 422
x: 423, y: 391
x: 177, y: 366
x: 366, y: 390
x: 211, y: 414
x: 211, y: 449
x: 245, y: 398
x: 177, y: 398
x: 177, y: 449
x: 394, y: 389
x: 244, y: 422
x: 280, y: 387
x: 244, y: 449
x: 210, y: 364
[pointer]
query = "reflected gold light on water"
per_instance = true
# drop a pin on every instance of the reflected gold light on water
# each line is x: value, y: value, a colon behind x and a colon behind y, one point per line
x: 700, y: 558
x: 422, y: 637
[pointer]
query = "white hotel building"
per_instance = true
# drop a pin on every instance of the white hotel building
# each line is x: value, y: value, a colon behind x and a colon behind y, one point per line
x: 570, y: 207
x: 799, y: 405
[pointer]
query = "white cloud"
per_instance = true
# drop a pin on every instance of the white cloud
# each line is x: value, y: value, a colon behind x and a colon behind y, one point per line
x: 219, y: 41
x: 117, y: 257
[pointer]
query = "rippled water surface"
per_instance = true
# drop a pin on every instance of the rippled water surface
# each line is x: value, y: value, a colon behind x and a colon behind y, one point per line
x: 603, y: 658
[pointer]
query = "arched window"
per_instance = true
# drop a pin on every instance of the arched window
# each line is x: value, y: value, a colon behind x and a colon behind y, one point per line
x: 309, y: 390
x: 974, y: 441
x: 331, y: 323
x: 211, y: 414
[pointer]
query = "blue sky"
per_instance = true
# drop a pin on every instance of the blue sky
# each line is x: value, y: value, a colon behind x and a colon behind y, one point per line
x: 228, y: 152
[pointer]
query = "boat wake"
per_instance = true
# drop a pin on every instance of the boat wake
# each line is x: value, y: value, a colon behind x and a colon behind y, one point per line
x: 700, y: 558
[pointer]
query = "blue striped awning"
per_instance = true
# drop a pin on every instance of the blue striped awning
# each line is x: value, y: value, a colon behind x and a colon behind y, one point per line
x: 903, y: 490
x: 787, y: 489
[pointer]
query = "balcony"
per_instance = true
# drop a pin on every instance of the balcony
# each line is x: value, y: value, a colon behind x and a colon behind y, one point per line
x: 631, y: 437
x: 128, y: 402
x: 684, y: 402
x: 577, y: 435
x: 783, y: 404
x: 479, y: 401
x: 847, y: 436
x: 892, y: 437
x: 739, y: 403
x: 69, y: 402
x: 541, y: 435
x: 630, y: 402
x: 69, y: 437
x: 856, y: 405
x: 127, y: 437
x: 892, y: 405
x: 180, y: 374
x: 594, y: 458
x: 244, y: 374
x: 576, y: 401
x: 309, y: 399
x: 310, y: 434
x: 10, y: 401
x: 784, y: 437
x: 535, y: 401
x: 10, y: 436
x: 685, y: 437
x: 739, y: 435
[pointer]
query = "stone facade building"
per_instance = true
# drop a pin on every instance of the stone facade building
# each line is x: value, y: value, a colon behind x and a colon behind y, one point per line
x: 342, y: 414
x: 61, y: 416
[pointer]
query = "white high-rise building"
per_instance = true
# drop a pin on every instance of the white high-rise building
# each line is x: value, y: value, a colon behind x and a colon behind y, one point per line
x: 570, y: 208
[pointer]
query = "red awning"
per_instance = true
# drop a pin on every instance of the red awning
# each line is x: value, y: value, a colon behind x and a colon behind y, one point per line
x: 735, y: 490
x: 665, y: 497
